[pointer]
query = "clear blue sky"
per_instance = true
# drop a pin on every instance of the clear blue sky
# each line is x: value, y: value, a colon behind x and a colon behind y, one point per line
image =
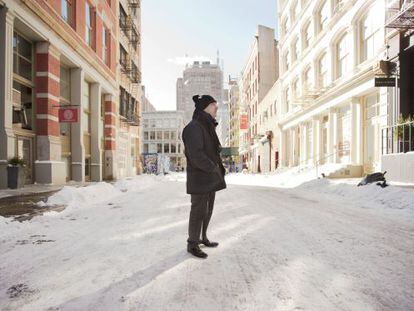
x: 172, y: 29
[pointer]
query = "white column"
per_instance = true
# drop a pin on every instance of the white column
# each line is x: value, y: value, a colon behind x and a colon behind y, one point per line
x: 316, y: 130
x: 293, y: 148
x: 356, y: 132
x: 332, y: 135
x: 6, y: 93
x: 77, y: 147
x: 96, y: 133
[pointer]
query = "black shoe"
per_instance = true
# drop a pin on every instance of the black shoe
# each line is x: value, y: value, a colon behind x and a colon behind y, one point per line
x: 196, y: 251
x: 207, y: 243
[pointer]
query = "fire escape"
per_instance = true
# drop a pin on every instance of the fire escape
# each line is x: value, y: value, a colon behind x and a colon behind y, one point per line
x: 402, y: 18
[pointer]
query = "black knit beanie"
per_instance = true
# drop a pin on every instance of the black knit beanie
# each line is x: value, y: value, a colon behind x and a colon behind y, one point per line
x: 201, y: 102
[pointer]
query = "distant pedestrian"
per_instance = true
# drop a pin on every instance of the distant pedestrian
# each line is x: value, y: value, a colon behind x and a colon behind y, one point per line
x: 205, y: 171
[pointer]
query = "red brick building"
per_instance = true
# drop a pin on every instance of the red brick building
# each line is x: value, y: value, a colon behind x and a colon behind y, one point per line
x: 65, y: 53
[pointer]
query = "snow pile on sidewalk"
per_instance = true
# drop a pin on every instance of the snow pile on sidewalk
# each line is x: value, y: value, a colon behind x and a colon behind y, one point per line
x: 72, y: 196
x: 368, y: 196
x: 285, y: 178
x: 79, y: 196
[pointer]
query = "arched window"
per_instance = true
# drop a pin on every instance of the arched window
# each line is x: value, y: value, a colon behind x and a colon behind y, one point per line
x: 307, y: 79
x: 370, y: 32
x: 307, y: 35
x: 342, y: 56
x: 323, y: 71
x: 287, y: 100
x: 323, y: 16
x: 295, y: 49
x: 287, y: 60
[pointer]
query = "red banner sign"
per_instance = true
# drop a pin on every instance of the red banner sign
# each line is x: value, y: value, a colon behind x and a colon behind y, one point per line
x: 243, y: 122
x: 68, y: 115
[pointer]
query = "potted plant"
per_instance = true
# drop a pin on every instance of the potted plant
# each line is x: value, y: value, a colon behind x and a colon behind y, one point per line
x: 16, y: 173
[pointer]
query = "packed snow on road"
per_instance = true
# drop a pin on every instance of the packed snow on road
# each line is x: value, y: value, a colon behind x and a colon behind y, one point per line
x: 288, y: 241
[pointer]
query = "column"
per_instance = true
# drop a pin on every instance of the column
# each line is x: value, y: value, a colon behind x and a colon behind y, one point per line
x: 281, y: 148
x: 293, y: 150
x: 303, y: 140
x: 78, y: 150
x: 49, y: 168
x: 356, y: 132
x: 110, y: 133
x: 333, y: 136
x: 6, y: 93
x: 316, y: 131
x: 96, y: 133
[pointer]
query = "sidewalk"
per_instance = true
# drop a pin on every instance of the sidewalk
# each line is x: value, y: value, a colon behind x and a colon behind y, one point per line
x: 38, y: 189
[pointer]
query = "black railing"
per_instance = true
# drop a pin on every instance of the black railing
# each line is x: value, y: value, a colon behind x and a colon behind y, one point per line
x: 398, y: 138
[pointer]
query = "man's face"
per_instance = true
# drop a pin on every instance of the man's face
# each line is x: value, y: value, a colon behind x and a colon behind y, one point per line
x: 212, y: 109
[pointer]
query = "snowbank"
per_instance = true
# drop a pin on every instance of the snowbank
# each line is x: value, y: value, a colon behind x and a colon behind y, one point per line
x: 368, y: 196
x: 80, y: 196
x: 286, y: 178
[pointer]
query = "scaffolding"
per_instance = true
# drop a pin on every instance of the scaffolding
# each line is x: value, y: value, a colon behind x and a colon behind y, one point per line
x: 402, y: 18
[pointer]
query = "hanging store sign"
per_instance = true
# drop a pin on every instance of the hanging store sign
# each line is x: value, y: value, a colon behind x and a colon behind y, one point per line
x: 68, y: 115
x: 384, y: 82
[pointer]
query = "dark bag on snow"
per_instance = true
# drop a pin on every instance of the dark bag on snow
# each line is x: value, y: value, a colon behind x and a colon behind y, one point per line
x: 371, y: 178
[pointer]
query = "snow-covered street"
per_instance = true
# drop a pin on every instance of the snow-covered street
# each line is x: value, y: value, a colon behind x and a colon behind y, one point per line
x: 123, y: 247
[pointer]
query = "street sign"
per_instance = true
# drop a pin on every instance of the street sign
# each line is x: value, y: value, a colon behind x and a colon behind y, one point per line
x: 68, y: 115
x: 384, y: 82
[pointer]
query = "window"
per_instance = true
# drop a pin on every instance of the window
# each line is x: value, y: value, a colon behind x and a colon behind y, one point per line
x: 371, y: 33
x: 88, y: 24
x: 159, y: 148
x: 323, y: 71
x: 145, y: 135
x: 159, y: 135
x: 123, y: 56
x: 295, y: 49
x: 173, y: 148
x: 152, y: 135
x: 166, y: 148
x: 65, y: 85
x: 287, y: 61
x: 105, y: 45
x: 22, y: 57
x: 296, y: 89
x: 67, y: 11
x: 166, y: 135
x: 173, y: 136
x: 307, y: 76
x: 145, y: 148
x: 287, y: 100
x: 22, y: 82
x: 342, y: 53
x: 323, y: 16
x: 307, y: 36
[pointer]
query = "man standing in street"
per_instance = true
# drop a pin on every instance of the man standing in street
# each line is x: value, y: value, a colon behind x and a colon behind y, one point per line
x: 205, y: 171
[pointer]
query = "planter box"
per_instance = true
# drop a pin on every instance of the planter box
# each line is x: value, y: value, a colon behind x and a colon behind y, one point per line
x: 15, y: 177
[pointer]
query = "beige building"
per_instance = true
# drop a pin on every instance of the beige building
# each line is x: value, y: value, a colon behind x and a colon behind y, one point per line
x: 129, y: 77
x: 162, y: 134
x: 330, y: 110
x: 258, y: 77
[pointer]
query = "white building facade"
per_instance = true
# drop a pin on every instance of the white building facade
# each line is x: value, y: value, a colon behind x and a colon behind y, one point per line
x: 329, y: 109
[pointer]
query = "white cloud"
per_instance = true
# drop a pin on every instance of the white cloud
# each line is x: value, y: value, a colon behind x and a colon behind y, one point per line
x: 188, y: 60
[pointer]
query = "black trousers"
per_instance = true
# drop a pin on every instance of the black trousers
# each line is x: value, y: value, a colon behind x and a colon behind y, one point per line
x: 201, y: 210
